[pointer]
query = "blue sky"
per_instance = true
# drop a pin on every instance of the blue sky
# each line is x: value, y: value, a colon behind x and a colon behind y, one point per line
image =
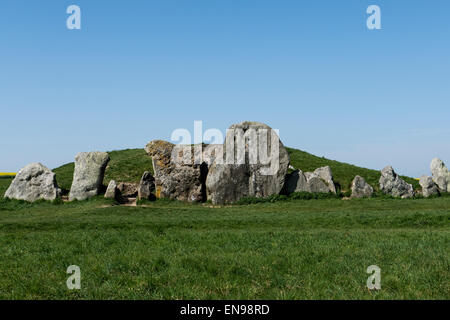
x: 137, y: 70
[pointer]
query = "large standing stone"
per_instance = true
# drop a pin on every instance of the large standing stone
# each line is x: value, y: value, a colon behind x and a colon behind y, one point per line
x: 429, y: 188
x: 34, y: 182
x: 88, y: 175
x: 177, y: 175
x: 146, y: 186
x: 254, y: 164
x: 360, y: 188
x: 319, y: 181
x: 441, y: 175
x: 391, y: 183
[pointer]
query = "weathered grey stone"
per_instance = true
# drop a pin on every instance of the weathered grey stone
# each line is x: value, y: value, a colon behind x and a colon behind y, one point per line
x: 112, y: 192
x: 429, y: 188
x: 210, y: 152
x: 441, y: 175
x: 177, y: 173
x: 228, y: 183
x: 34, y: 182
x: 360, y: 188
x: 88, y: 175
x: 128, y: 189
x: 260, y: 172
x: 146, y: 186
x: 326, y: 175
x: 296, y: 182
x: 392, y: 184
x: 309, y: 175
x: 319, y: 181
x: 317, y: 185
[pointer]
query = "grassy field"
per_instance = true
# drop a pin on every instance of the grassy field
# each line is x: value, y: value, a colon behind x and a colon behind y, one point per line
x: 290, y: 249
x: 4, y: 184
x: 304, y: 249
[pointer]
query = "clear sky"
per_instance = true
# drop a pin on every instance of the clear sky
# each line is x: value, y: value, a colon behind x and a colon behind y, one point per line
x: 137, y: 70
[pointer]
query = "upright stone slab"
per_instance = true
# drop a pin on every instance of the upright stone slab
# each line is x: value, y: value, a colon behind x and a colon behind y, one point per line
x: 441, y: 175
x: 88, y: 175
x: 34, y: 182
x: 146, y: 186
x: 254, y: 164
x: 360, y: 188
x: 392, y: 184
x: 429, y: 188
x: 112, y: 192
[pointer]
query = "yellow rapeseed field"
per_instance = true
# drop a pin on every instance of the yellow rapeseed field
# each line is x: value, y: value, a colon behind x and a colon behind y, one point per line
x: 7, y: 174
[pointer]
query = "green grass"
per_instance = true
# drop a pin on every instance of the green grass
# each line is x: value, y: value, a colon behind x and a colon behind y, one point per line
x: 124, y: 166
x: 304, y: 246
x: 298, y: 249
x: 4, y: 184
x: 343, y: 173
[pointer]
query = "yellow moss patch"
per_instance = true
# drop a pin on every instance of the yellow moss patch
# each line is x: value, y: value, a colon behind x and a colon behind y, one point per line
x: 158, y: 192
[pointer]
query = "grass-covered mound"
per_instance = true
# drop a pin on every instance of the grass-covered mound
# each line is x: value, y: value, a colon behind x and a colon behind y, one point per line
x: 343, y: 173
x: 125, y: 166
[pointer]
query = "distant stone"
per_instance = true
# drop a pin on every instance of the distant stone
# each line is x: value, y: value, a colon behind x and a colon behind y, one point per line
x: 112, y: 192
x: 319, y: 181
x: 360, y: 188
x: 232, y: 177
x: 441, y: 175
x: 429, y: 188
x: 146, y: 186
x: 325, y: 174
x: 34, y: 182
x: 317, y: 185
x: 392, y: 184
x: 128, y: 189
x: 88, y: 175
